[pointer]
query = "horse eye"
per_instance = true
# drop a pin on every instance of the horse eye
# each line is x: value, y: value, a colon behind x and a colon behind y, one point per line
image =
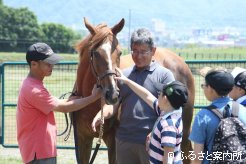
x: 96, y: 54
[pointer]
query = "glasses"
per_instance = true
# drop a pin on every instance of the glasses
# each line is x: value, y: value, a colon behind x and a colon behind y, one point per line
x: 142, y: 53
x: 204, y: 85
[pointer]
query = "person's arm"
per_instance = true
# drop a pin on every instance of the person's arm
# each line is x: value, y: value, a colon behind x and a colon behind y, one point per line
x: 198, y: 148
x: 147, y: 142
x: 138, y: 89
x: 77, y: 104
x: 168, y: 155
x: 108, y: 112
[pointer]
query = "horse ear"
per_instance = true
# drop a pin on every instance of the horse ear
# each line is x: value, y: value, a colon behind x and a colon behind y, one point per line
x: 118, y: 27
x: 90, y: 27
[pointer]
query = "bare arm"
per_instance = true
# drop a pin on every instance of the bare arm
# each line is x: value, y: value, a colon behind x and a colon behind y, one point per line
x: 108, y: 112
x: 76, y: 104
x: 168, y: 158
x: 198, y: 148
x: 138, y: 89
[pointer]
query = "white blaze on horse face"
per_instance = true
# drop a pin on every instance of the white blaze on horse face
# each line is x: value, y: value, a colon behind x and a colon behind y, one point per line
x: 107, y: 48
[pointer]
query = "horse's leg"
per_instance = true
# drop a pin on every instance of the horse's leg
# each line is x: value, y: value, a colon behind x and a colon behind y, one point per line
x: 109, y: 139
x: 83, y: 145
x: 84, y: 149
x: 186, y: 143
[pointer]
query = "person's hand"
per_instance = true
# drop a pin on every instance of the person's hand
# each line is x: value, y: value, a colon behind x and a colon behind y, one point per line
x: 97, y: 92
x: 147, y: 142
x: 96, y: 121
x: 73, y: 97
x: 121, y: 76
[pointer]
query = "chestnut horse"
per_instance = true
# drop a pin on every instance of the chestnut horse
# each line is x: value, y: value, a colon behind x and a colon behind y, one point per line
x: 183, y: 74
x: 99, y: 55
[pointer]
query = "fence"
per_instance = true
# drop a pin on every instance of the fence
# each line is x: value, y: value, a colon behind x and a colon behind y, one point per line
x: 62, y: 81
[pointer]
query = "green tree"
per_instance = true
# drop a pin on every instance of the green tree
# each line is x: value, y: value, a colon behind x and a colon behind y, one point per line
x: 18, y: 29
x: 7, y: 37
x: 59, y: 37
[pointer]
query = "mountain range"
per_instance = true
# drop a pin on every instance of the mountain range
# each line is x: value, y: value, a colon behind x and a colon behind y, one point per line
x: 164, y: 14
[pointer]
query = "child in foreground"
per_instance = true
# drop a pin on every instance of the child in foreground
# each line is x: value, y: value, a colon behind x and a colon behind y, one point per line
x: 166, y: 136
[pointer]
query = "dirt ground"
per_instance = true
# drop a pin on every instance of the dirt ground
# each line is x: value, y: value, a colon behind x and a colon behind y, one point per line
x: 65, y: 156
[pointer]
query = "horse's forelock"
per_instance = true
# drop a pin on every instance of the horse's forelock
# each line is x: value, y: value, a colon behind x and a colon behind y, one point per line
x: 102, y: 25
x: 92, y: 41
x: 100, y: 36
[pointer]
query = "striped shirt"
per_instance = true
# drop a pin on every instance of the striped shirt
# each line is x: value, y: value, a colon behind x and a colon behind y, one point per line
x: 166, y: 132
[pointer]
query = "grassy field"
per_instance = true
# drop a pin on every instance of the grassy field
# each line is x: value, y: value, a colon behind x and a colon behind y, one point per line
x: 64, y: 76
x: 193, y: 53
x: 21, y: 57
x: 218, y: 50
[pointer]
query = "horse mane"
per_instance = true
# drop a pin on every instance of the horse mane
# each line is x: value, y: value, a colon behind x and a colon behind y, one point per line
x: 84, y: 49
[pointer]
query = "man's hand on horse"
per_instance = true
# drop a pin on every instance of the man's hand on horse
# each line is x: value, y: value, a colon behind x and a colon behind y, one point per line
x: 120, y: 76
x: 96, y: 121
x: 96, y: 92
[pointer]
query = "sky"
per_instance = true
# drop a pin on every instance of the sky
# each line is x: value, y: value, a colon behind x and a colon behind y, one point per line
x: 175, y: 16
x: 173, y: 13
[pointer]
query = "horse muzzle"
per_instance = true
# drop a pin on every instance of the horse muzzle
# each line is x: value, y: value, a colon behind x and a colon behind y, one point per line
x: 111, y: 96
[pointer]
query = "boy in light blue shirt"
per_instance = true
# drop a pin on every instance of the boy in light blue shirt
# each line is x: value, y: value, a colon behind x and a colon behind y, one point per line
x: 216, y: 87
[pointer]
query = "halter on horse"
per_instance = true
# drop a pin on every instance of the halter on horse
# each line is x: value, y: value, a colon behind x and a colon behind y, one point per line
x: 99, y: 55
x: 102, y: 47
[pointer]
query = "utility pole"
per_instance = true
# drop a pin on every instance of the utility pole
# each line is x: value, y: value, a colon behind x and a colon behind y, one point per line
x: 129, y: 32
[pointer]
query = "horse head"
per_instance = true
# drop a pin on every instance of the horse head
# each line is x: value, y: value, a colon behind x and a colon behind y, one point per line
x: 104, y: 53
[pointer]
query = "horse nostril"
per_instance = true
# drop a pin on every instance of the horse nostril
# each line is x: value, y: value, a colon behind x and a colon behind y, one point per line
x: 112, y: 96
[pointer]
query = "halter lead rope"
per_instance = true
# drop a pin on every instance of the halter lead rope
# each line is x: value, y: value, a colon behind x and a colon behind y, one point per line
x: 66, y: 118
x: 99, y: 138
x: 101, y: 127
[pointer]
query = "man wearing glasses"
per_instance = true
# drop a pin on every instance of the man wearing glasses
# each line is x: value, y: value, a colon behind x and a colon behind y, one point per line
x: 136, y: 117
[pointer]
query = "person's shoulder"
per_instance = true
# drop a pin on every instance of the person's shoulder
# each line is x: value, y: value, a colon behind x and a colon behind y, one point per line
x: 161, y: 71
x: 27, y: 84
x: 128, y: 70
x: 204, y: 112
x: 161, y: 68
x: 243, y: 103
x: 242, y: 107
x: 242, y: 100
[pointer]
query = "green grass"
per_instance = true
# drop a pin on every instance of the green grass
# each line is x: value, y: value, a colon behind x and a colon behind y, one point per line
x: 10, y: 160
x: 201, y: 53
x: 192, y: 53
x: 63, y: 78
x: 216, y: 50
x: 21, y: 57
